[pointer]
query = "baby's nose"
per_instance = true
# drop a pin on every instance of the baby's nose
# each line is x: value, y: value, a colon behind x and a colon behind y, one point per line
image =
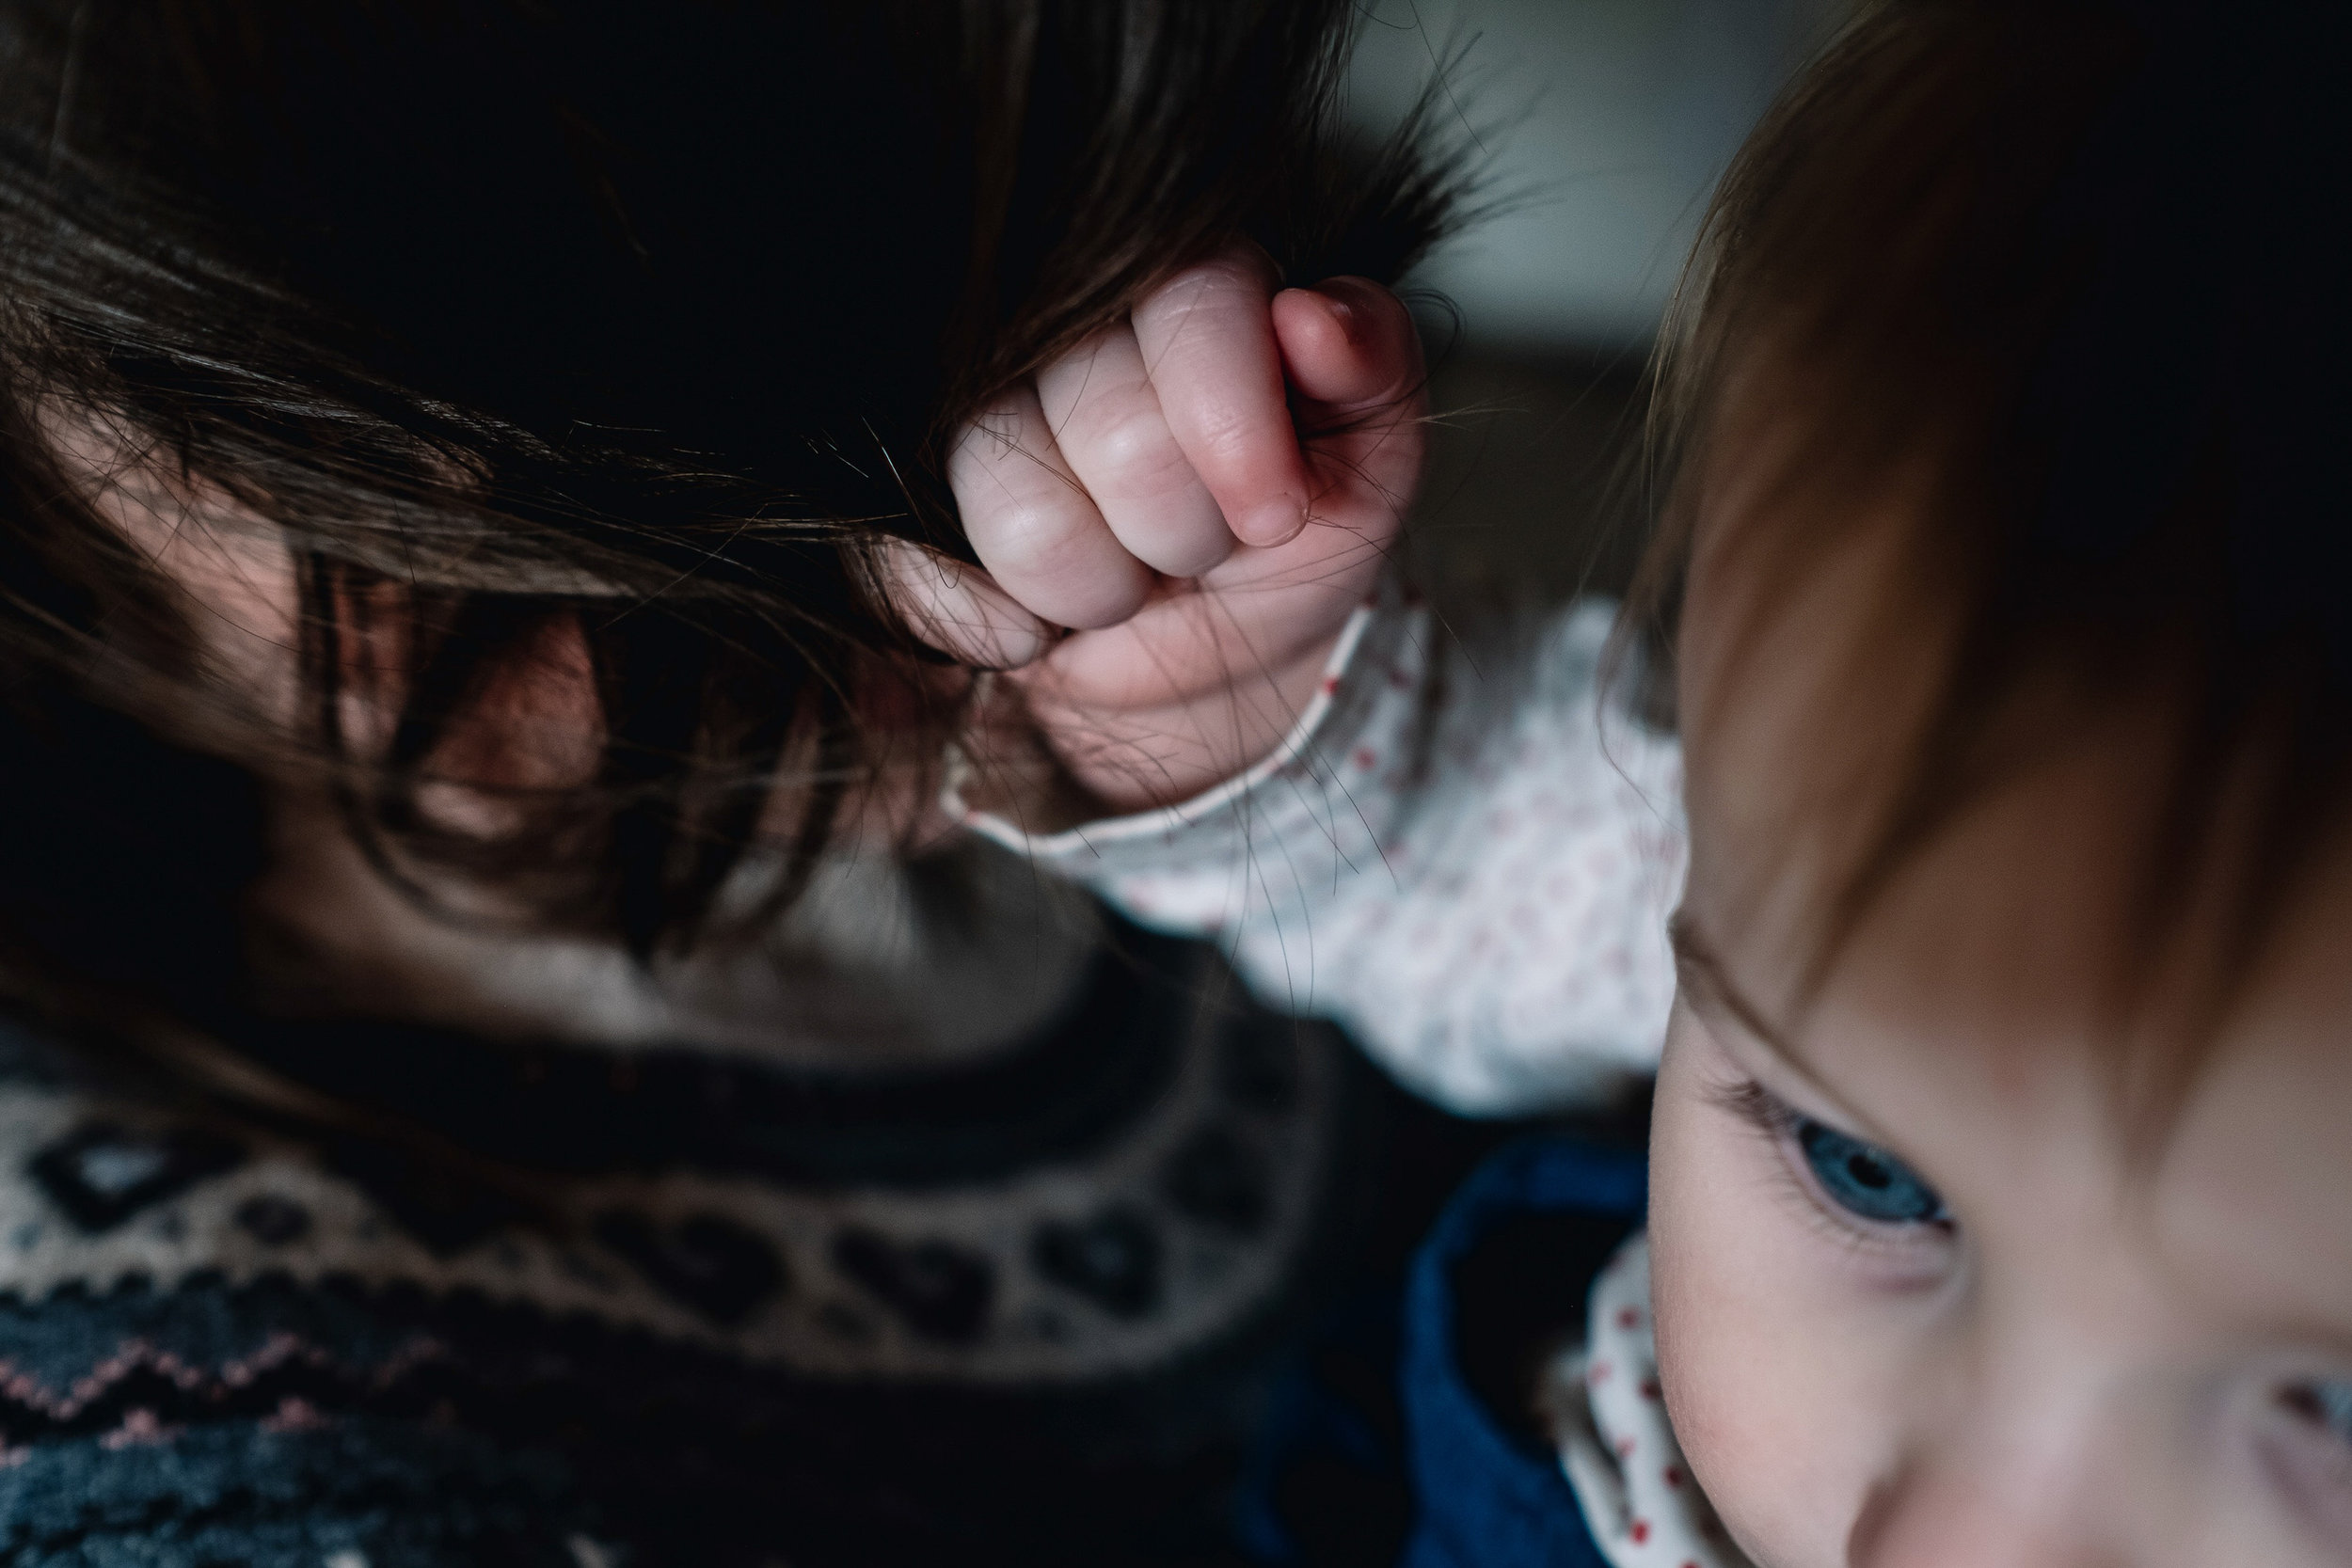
x: 1997, y: 1493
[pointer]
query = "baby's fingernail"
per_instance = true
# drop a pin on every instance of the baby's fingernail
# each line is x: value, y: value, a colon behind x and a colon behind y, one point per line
x: 1277, y: 522
x: 1355, y: 303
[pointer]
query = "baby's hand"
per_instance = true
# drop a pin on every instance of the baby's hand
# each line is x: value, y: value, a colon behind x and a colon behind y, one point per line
x: 1205, y: 535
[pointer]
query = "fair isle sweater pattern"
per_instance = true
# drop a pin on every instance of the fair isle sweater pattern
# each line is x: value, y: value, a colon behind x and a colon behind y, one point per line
x: 223, y: 1343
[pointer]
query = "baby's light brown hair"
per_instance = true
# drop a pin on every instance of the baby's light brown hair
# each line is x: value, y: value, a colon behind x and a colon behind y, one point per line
x: 2083, y: 263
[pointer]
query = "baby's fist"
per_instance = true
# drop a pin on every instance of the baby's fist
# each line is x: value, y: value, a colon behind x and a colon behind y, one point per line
x: 1203, y: 494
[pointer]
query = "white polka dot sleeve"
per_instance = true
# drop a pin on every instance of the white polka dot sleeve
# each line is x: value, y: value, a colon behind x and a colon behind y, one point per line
x: 1619, y: 1451
x: 1463, y: 854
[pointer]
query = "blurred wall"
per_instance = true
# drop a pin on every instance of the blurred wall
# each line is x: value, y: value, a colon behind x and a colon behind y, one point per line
x: 1605, y: 122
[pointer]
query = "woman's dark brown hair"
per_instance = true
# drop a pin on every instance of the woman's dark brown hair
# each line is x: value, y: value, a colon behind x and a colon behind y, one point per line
x: 2087, y: 258
x: 632, y: 322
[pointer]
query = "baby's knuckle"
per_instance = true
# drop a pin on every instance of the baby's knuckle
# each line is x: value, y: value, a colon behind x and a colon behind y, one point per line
x: 1230, y: 441
x: 1140, y: 443
x: 1112, y: 414
x: 1019, y: 536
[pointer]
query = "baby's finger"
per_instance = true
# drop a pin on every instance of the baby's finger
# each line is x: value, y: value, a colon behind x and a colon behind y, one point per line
x: 1109, y: 422
x: 1348, y: 346
x: 1208, y: 342
x: 957, y: 609
x: 1032, y: 524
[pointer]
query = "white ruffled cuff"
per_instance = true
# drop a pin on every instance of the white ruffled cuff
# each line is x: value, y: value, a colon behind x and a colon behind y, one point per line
x: 1204, y: 864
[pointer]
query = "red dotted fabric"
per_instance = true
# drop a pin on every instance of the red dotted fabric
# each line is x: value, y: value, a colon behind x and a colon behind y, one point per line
x: 1465, y: 853
x: 1609, y: 1415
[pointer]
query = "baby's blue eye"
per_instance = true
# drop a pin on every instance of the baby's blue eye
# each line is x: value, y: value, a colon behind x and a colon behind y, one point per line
x: 1864, y: 1179
x: 2327, y: 1403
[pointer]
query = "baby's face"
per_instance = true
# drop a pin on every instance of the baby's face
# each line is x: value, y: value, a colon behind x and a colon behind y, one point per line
x: 1920, y: 1298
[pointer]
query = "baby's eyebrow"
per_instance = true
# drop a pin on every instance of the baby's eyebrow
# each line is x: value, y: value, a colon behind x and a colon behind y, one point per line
x: 1703, y: 976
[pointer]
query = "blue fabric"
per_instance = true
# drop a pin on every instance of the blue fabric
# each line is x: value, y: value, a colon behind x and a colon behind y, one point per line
x: 1481, y: 1498
x: 1325, y: 1481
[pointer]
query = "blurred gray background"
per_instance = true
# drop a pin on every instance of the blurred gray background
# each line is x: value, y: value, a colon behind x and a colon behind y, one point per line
x: 1597, y: 129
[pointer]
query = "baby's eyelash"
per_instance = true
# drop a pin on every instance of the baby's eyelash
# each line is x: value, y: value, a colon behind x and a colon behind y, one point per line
x: 1759, y: 1106
x: 1780, y: 1125
x: 1775, y: 1121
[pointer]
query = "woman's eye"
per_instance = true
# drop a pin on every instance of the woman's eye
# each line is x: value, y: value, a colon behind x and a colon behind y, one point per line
x: 1864, y: 1179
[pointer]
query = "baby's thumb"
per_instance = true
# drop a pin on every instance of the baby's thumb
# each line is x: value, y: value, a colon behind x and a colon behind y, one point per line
x: 1348, y: 345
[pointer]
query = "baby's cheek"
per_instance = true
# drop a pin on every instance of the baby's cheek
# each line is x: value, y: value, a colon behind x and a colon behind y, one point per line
x: 1753, y: 1380
x: 1722, y: 1357
x: 1742, y: 1429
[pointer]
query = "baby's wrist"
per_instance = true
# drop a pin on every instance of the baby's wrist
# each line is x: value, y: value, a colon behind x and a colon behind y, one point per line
x: 1128, y: 763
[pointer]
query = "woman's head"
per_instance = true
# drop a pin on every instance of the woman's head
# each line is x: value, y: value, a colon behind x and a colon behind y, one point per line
x: 2014, y: 674
x: 477, y: 412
